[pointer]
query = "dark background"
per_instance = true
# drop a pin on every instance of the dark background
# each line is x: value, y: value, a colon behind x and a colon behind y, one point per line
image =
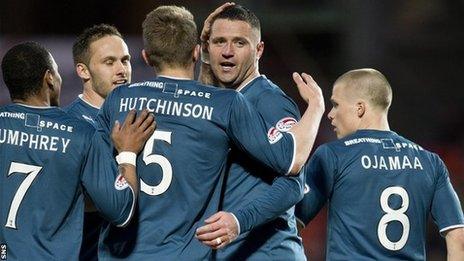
x: 417, y: 44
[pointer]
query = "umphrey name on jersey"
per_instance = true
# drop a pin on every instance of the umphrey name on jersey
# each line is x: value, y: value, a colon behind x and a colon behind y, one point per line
x: 167, y: 107
x: 33, y: 141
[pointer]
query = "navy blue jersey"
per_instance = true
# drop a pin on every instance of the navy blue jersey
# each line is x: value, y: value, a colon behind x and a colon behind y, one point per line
x: 256, y: 194
x: 381, y: 188
x: 47, y: 160
x: 92, y: 220
x: 83, y: 110
x: 182, y: 165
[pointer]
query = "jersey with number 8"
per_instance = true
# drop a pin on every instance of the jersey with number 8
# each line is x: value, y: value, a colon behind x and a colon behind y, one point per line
x: 381, y: 188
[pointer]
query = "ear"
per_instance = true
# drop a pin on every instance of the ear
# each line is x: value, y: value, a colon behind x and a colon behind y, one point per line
x: 259, y: 50
x: 83, y: 71
x: 196, y: 53
x: 145, y: 57
x: 48, y: 79
x: 360, y: 108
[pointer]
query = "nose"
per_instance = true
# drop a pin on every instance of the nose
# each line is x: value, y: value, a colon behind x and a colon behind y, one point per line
x: 121, y: 68
x: 228, y: 50
x: 331, y: 114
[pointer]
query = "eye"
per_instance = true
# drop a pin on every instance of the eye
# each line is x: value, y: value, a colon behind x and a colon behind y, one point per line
x: 109, y: 62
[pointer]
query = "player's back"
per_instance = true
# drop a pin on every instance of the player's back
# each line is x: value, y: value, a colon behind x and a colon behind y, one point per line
x: 42, y: 151
x: 382, y: 189
x: 182, y: 165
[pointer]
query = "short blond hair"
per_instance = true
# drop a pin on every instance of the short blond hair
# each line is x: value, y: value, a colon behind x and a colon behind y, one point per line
x: 169, y: 37
x: 370, y: 84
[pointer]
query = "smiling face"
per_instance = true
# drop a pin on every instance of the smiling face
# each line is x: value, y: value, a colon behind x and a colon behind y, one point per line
x: 234, y: 49
x: 109, y: 64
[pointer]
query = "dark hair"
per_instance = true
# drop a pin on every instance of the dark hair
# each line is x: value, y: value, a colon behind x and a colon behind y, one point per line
x: 240, y: 13
x: 82, y: 44
x: 24, y: 67
x: 169, y: 37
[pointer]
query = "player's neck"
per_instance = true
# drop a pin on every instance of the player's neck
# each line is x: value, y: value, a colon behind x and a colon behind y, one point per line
x: 33, y: 101
x: 177, y: 73
x: 91, y: 97
x: 41, y: 99
x: 375, y: 123
x: 248, y: 79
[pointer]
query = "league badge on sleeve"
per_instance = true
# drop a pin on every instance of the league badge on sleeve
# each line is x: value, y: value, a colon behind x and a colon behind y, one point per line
x: 285, y: 124
x: 273, y: 135
x: 120, y: 183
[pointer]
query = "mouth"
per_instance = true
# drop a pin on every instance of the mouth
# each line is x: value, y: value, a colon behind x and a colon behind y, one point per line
x: 120, y: 81
x: 227, y: 66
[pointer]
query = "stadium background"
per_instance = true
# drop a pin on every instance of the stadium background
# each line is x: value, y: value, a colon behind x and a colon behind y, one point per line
x: 417, y: 44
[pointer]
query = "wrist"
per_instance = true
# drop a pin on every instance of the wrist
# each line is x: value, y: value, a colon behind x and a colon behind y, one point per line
x: 126, y: 157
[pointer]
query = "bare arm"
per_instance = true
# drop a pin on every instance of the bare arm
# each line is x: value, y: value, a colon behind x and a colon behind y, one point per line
x: 305, y: 131
x: 455, y: 244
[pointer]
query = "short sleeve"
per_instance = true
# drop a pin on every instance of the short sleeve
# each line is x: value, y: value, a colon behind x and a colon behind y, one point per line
x: 446, y: 208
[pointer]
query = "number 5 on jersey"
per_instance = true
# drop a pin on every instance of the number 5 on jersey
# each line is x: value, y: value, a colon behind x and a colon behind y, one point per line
x: 163, y: 162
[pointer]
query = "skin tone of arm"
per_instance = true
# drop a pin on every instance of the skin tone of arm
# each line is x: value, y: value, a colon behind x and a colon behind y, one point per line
x: 222, y: 228
x: 455, y: 244
x: 131, y: 136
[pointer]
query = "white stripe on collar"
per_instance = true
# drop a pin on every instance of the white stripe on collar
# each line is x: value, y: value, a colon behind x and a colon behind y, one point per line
x: 243, y: 86
x: 81, y: 96
x: 35, y: 107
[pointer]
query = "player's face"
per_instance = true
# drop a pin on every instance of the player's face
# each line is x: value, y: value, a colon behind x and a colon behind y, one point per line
x: 234, y: 50
x: 343, y: 115
x: 55, y: 94
x: 109, y: 64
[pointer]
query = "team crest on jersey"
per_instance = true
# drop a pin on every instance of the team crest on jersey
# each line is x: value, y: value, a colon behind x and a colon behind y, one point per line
x: 285, y: 124
x: 274, y: 135
x: 120, y: 183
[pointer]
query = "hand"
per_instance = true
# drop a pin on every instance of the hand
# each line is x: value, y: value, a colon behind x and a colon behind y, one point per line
x: 206, y: 32
x: 309, y: 90
x: 220, y: 229
x: 133, y: 133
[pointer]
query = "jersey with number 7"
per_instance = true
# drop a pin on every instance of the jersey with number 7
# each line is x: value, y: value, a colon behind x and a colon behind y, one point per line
x: 381, y: 188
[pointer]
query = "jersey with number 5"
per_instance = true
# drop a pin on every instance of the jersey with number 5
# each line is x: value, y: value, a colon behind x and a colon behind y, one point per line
x: 182, y: 165
x: 47, y: 160
x: 381, y: 188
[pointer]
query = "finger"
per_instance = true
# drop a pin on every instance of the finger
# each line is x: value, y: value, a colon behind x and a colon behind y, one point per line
x: 116, y: 127
x: 207, y: 24
x: 141, y: 118
x: 307, y: 78
x: 212, y: 235
x: 129, y: 118
x: 216, y: 242
x: 149, y: 131
x: 214, y: 218
x: 297, y: 79
x: 223, y: 244
x: 147, y: 122
x: 208, y: 228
